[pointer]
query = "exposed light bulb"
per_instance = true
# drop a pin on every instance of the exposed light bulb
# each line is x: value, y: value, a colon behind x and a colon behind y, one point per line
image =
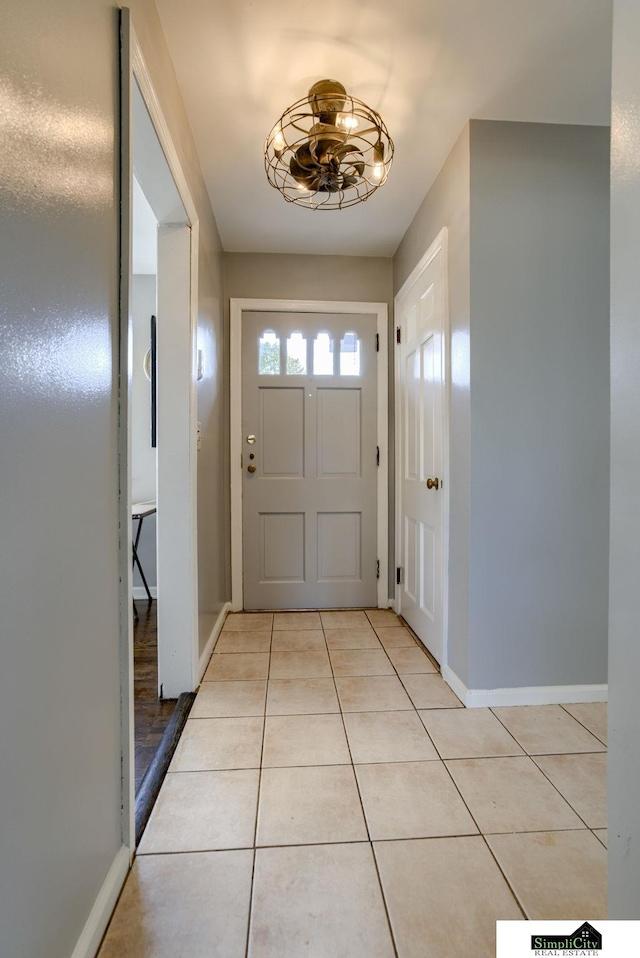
x: 278, y: 141
x: 378, y: 171
x: 348, y: 122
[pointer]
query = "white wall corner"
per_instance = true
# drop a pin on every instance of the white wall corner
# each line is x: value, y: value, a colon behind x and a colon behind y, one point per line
x: 139, y: 592
x: 211, y: 641
x: 95, y: 927
x: 455, y: 683
x: 534, y: 695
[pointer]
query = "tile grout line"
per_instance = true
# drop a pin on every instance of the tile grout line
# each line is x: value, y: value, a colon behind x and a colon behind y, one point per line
x: 566, y: 800
x: 431, y: 739
x: 480, y: 834
x: 501, y: 758
x: 411, y: 761
x: 590, y: 731
x: 354, y: 841
x: 504, y: 875
x: 509, y: 732
x: 364, y: 814
x: 524, y: 832
x: 421, y: 646
x: 493, y: 712
x: 533, y: 756
x: 255, y: 831
x: 484, y: 839
x: 407, y: 692
x: 594, y: 830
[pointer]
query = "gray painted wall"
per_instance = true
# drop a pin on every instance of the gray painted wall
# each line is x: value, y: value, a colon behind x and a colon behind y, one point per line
x: 624, y: 646
x: 447, y: 204
x: 59, y: 682
x: 526, y: 206
x: 214, y: 577
x: 289, y: 276
x: 539, y: 404
x: 341, y: 278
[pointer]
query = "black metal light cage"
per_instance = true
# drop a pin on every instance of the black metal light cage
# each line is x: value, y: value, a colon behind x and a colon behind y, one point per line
x: 329, y: 150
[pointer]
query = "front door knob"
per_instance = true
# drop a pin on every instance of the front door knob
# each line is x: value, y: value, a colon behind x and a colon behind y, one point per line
x: 433, y: 483
x: 251, y: 468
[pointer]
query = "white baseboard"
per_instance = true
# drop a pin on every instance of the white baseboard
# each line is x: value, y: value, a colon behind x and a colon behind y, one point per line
x: 455, y: 684
x: 213, y: 638
x: 139, y: 592
x: 535, y: 695
x: 94, y: 929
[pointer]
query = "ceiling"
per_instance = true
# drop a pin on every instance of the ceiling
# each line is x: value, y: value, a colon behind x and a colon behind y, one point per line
x: 427, y: 66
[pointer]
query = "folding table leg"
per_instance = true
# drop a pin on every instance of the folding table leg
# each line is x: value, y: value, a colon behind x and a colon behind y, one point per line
x: 136, y: 562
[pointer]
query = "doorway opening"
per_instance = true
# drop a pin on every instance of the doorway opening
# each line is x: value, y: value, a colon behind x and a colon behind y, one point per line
x: 152, y: 712
x: 157, y: 439
x: 309, y: 449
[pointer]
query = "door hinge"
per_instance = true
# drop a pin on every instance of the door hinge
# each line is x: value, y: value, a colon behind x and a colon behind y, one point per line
x: 377, y: 455
x: 398, y: 575
x: 377, y: 568
x: 377, y: 342
x: 398, y: 335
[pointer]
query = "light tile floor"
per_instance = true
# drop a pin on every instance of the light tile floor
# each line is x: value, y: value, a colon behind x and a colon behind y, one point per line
x: 331, y: 798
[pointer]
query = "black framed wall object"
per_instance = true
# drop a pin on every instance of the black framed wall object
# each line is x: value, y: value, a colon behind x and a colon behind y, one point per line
x: 154, y: 384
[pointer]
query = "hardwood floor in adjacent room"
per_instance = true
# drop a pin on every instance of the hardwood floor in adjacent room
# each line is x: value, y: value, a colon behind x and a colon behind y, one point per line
x: 151, y: 714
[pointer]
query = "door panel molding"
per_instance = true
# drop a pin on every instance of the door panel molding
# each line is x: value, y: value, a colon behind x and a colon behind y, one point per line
x: 237, y: 308
x: 414, y: 320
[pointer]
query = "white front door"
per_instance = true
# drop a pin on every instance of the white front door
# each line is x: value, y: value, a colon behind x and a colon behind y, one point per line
x: 309, y: 460
x: 421, y: 397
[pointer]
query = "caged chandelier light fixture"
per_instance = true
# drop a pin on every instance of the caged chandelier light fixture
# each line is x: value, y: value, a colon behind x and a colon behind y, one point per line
x: 329, y: 150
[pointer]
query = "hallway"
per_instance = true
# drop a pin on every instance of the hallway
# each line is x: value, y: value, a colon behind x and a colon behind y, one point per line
x: 331, y: 797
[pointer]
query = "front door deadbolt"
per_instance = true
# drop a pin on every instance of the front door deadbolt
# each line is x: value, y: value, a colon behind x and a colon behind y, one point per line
x: 251, y: 440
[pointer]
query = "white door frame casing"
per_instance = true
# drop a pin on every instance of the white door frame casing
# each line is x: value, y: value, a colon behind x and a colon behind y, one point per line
x: 439, y: 245
x: 237, y: 307
x: 181, y: 664
x: 178, y: 662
